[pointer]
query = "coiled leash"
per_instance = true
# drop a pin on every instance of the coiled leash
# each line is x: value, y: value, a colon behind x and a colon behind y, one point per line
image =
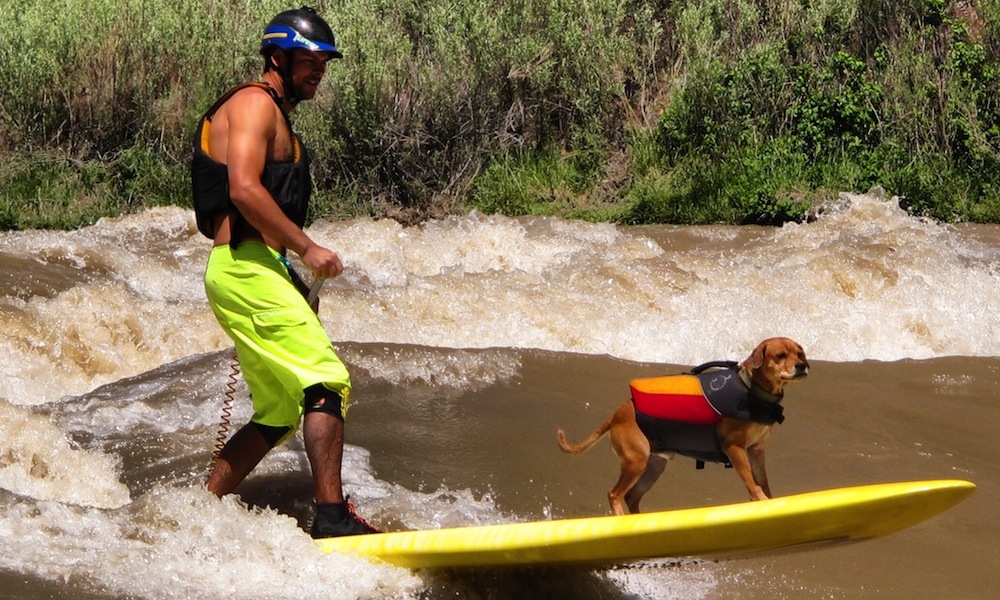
x: 227, y: 407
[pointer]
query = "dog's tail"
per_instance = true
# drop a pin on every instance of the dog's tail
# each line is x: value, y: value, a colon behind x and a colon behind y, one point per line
x: 585, y: 444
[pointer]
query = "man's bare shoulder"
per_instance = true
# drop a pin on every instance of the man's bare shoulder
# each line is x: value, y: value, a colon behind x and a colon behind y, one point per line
x: 253, y: 108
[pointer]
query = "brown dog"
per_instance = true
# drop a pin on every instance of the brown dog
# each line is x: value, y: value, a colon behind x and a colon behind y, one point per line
x: 763, y: 375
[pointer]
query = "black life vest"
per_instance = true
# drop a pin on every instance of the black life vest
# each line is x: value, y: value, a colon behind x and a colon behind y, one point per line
x: 289, y: 183
x: 678, y: 413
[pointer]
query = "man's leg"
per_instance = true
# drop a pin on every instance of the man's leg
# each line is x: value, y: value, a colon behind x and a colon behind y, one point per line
x: 323, y: 434
x: 238, y: 457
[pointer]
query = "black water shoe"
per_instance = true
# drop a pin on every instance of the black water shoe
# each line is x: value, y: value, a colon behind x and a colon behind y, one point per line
x: 337, y: 520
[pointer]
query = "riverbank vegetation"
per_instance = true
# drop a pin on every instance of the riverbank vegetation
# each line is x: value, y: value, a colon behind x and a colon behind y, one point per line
x: 734, y: 111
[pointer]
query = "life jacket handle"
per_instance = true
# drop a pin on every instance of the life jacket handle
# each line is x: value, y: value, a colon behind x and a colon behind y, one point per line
x: 715, y: 364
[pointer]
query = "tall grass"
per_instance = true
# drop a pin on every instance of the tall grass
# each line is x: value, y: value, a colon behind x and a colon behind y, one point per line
x: 785, y: 102
x: 100, y: 97
x: 635, y: 111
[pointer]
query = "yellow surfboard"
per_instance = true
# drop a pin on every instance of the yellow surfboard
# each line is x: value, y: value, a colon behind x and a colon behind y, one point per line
x: 831, y: 516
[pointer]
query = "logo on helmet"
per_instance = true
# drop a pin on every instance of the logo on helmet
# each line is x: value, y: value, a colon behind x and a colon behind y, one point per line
x: 309, y: 44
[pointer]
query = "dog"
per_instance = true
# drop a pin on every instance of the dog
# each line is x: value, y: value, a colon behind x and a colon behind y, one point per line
x: 645, y: 441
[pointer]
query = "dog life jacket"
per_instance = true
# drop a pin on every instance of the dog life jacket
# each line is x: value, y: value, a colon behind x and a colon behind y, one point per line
x: 289, y: 183
x: 678, y: 413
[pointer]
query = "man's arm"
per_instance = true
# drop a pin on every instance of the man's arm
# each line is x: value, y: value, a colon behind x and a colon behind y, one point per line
x: 252, y: 130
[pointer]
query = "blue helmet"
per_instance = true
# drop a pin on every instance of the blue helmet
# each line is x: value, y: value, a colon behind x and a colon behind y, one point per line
x: 300, y: 28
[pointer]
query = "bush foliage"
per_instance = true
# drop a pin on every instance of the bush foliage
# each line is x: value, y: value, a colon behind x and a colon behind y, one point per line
x: 737, y: 111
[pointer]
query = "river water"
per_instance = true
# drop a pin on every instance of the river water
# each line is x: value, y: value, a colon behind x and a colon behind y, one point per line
x: 470, y: 340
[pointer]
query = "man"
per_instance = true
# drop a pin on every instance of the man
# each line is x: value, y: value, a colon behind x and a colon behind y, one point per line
x: 251, y: 187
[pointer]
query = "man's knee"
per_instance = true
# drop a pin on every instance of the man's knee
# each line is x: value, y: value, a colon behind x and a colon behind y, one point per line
x: 319, y: 398
x: 272, y: 435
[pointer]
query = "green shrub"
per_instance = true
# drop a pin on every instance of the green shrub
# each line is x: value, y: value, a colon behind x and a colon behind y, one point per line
x: 814, y: 105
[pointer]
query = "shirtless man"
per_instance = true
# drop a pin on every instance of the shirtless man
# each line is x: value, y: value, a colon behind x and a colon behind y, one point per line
x: 251, y: 186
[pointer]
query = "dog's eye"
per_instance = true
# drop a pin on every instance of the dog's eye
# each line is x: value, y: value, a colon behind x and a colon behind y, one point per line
x: 782, y: 355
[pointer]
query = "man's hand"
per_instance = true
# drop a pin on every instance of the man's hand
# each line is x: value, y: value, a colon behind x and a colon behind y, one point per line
x: 323, y: 262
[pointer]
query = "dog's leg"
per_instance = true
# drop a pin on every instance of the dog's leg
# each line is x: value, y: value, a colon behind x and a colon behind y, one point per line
x: 654, y: 468
x: 630, y: 474
x: 756, y: 455
x: 741, y: 463
x: 633, y: 452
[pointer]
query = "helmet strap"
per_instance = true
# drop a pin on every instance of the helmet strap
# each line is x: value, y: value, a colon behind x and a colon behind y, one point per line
x: 286, y: 79
x: 285, y: 73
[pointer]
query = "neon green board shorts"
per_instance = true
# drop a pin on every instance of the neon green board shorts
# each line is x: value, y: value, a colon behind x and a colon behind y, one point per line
x: 280, y: 342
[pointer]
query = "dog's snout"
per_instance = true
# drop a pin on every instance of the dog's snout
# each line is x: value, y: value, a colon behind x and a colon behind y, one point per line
x: 801, y: 368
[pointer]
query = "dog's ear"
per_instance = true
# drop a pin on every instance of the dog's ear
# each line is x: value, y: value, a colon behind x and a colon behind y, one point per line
x: 756, y: 358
